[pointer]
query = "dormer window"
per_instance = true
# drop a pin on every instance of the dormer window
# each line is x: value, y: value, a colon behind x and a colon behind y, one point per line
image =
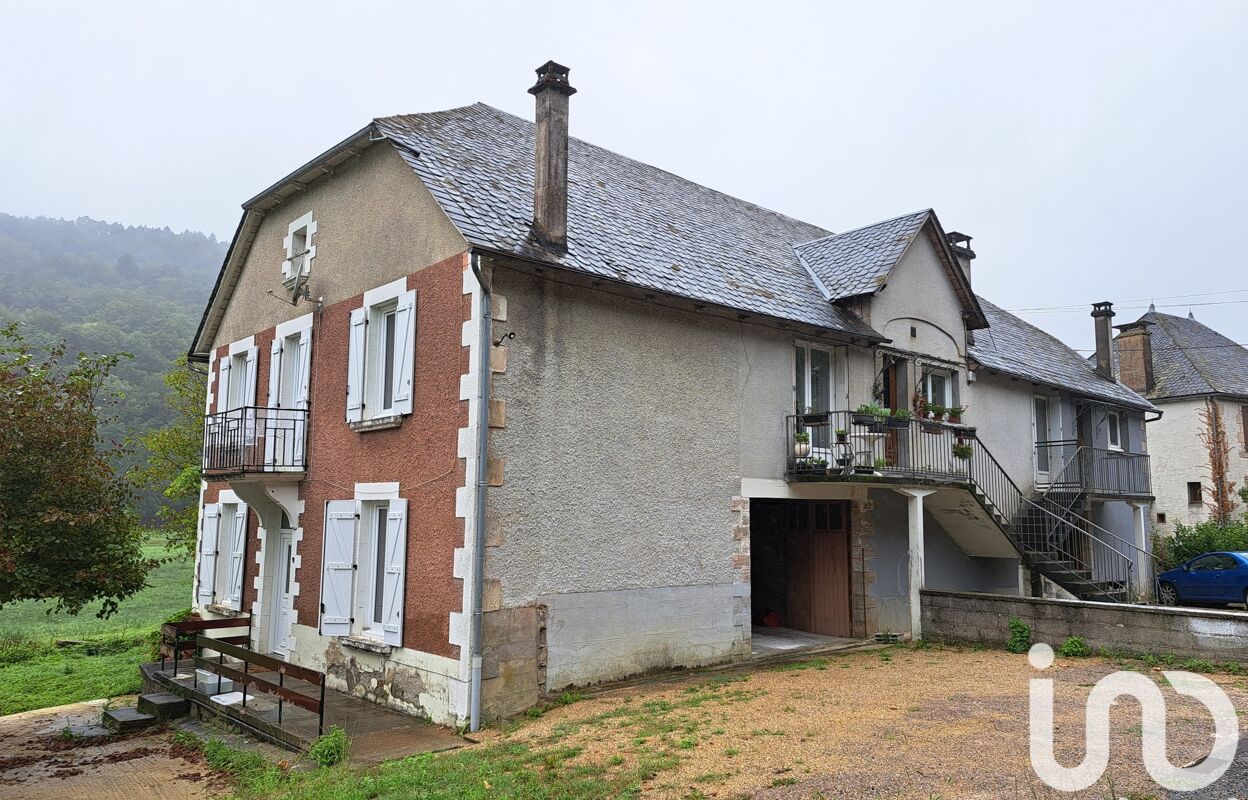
x: 300, y: 248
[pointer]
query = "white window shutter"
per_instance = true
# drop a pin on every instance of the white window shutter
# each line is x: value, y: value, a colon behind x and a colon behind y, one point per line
x: 304, y: 364
x: 208, y: 555
x: 223, y: 384
x: 249, y: 385
x: 338, y: 568
x: 355, y: 365
x: 394, y: 577
x: 238, y: 550
x: 275, y: 374
x: 404, y: 351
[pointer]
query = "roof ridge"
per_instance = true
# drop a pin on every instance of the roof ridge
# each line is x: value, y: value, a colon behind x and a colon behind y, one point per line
x: 584, y: 142
x: 862, y: 227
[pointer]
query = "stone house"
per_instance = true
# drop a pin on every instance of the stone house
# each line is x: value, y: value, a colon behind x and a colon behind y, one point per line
x: 1189, y: 371
x: 493, y: 412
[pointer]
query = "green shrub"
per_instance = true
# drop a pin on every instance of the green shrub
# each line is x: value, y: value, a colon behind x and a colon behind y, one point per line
x: 331, y: 748
x: 1074, y: 647
x: 1020, y: 636
x: 1205, y: 537
x: 15, y: 648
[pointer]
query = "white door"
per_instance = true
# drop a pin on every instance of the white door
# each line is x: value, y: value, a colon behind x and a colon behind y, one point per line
x: 280, y: 607
x: 1041, y: 436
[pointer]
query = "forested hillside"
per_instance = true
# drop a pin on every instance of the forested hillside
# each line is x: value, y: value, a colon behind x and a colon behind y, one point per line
x: 109, y: 288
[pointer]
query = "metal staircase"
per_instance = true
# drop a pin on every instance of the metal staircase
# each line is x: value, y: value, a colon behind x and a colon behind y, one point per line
x: 1053, y: 539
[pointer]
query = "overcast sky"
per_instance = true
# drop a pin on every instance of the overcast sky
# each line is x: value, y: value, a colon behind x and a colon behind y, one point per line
x: 1094, y: 150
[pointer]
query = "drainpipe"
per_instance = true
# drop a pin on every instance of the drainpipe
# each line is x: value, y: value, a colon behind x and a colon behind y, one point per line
x: 483, y: 452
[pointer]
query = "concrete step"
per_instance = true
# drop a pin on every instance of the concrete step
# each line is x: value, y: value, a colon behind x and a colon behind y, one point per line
x: 207, y: 681
x: 124, y: 720
x: 164, y: 705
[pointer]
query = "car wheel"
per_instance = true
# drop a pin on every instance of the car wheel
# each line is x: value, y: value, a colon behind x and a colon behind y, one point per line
x: 1168, y: 595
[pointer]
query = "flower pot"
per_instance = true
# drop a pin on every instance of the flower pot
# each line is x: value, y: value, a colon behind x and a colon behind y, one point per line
x: 955, y: 419
x: 801, y: 449
x: 844, y: 461
x: 930, y: 426
x: 863, y: 419
x: 842, y: 438
x: 814, y: 420
x: 896, y: 424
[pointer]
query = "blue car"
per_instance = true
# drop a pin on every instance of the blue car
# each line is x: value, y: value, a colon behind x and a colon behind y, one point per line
x: 1216, y: 578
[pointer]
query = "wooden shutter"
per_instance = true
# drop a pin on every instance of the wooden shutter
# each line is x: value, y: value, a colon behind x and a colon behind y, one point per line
x: 356, y: 344
x: 207, y: 569
x: 249, y: 385
x: 275, y: 374
x: 338, y: 568
x: 393, y: 579
x: 223, y: 383
x: 238, y: 550
x: 404, y: 351
x: 304, y: 365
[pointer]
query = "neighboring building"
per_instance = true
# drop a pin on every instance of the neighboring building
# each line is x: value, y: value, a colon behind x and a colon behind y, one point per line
x: 1188, y: 370
x: 531, y: 423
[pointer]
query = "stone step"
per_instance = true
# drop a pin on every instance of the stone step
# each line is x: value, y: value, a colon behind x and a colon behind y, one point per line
x: 164, y: 705
x: 124, y: 720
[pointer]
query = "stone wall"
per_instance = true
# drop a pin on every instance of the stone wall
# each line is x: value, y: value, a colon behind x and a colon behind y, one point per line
x: 1185, y: 632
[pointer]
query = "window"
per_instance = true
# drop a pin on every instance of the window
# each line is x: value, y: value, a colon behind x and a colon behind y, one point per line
x: 1161, y: 518
x: 236, y: 377
x: 300, y: 248
x: 937, y: 387
x: 1243, y: 425
x: 1113, y: 427
x: 380, y: 354
x: 222, y: 550
x: 1207, y: 564
x: 819, y: 378
x: 363, y: 571
x: 1195, y: 495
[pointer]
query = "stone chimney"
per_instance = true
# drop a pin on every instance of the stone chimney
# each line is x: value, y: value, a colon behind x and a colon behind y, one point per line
x: 1102, y: 314
x: 1135, y: 356
x: 960, y: 244
x: 550, y: 186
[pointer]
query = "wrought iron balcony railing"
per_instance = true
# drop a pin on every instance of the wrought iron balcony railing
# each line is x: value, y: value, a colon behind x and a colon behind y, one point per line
x: 1094, y: 470
x: 255, y: 439
x: 838, y: 444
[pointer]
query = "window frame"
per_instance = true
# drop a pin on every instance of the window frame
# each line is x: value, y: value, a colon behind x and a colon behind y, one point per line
x: 298, y: 263
x: 1200, y: 493
x: 925, y: 385
x: 380, y: 358
x: 1113, y: 431
x: 837, y: 377
x: 370, y: 555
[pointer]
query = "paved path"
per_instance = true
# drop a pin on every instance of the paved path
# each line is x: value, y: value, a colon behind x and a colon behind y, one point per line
x: 1232, y: 784
x: 36, y: 763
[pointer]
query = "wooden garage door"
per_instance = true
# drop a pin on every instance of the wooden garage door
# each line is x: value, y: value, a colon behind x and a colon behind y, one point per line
x: 818, y: 569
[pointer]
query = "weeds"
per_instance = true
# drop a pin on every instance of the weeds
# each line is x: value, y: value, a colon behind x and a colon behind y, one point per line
x: 1020, y: 636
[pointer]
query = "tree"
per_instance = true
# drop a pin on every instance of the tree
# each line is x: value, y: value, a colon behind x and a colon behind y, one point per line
x: 173, y: 456
x: 1221, y: 491
x: 67, y: 531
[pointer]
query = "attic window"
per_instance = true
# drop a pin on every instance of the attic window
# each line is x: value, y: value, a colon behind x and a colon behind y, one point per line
x: 300, y: 248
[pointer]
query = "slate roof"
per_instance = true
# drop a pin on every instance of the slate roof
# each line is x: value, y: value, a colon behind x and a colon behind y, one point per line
x: 627, y: 221
x: 856, y: 262
x: 1192, y: 359
x: 1017, y: 348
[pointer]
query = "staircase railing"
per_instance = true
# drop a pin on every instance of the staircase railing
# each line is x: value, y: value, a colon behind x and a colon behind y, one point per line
x: 1041, y: 531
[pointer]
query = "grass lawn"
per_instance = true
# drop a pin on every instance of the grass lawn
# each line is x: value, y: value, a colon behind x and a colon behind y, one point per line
x: 34, y: 673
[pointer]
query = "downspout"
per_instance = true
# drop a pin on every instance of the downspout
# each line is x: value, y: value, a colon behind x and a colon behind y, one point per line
x: 483, y: 451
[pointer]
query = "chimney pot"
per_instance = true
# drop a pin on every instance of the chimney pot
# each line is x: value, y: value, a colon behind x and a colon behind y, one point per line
x: 1102, y: 313
x: 550, y: 185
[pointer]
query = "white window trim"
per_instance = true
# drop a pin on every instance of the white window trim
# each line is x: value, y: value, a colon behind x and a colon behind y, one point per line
x: 838, y: 388
x: 375, y: 494
x: 306, y: 221
x: 365, y: 358
x: 387, y: 291
x: 292, y: 326
x: 1109, y: 442
x: 949, y: 375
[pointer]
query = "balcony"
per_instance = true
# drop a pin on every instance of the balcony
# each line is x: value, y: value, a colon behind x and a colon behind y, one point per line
x: 842, y: 445
x: 256, y: 441
x: 1092, y: 470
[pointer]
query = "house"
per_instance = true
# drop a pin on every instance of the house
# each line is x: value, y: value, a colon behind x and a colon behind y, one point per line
x: 493, y: 412
x: 1199, y: 378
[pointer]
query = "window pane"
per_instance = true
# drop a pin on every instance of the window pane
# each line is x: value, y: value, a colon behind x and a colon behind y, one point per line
x: 380, y: 566
x: 820, y: 379
x: 801, y: 379
x: 289, y: 558
x: 387, y: 379
x: 1114, y: 433
x: 1042, y: 434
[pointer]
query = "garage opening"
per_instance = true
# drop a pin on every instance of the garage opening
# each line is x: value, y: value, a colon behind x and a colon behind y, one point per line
x: 799, y: 574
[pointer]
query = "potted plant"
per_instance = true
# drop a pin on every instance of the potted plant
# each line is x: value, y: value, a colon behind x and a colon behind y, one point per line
x: 801, y: 444
x: 881, y: 463
x: 842, y: 436
x: 870, y: 416
x: 898, y: 419
x: 937, y: 411
x: 844, y: 461
x: 817, y: 464
x: 955, y: 414
x: 963, y: 451
x: 814, y: 419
